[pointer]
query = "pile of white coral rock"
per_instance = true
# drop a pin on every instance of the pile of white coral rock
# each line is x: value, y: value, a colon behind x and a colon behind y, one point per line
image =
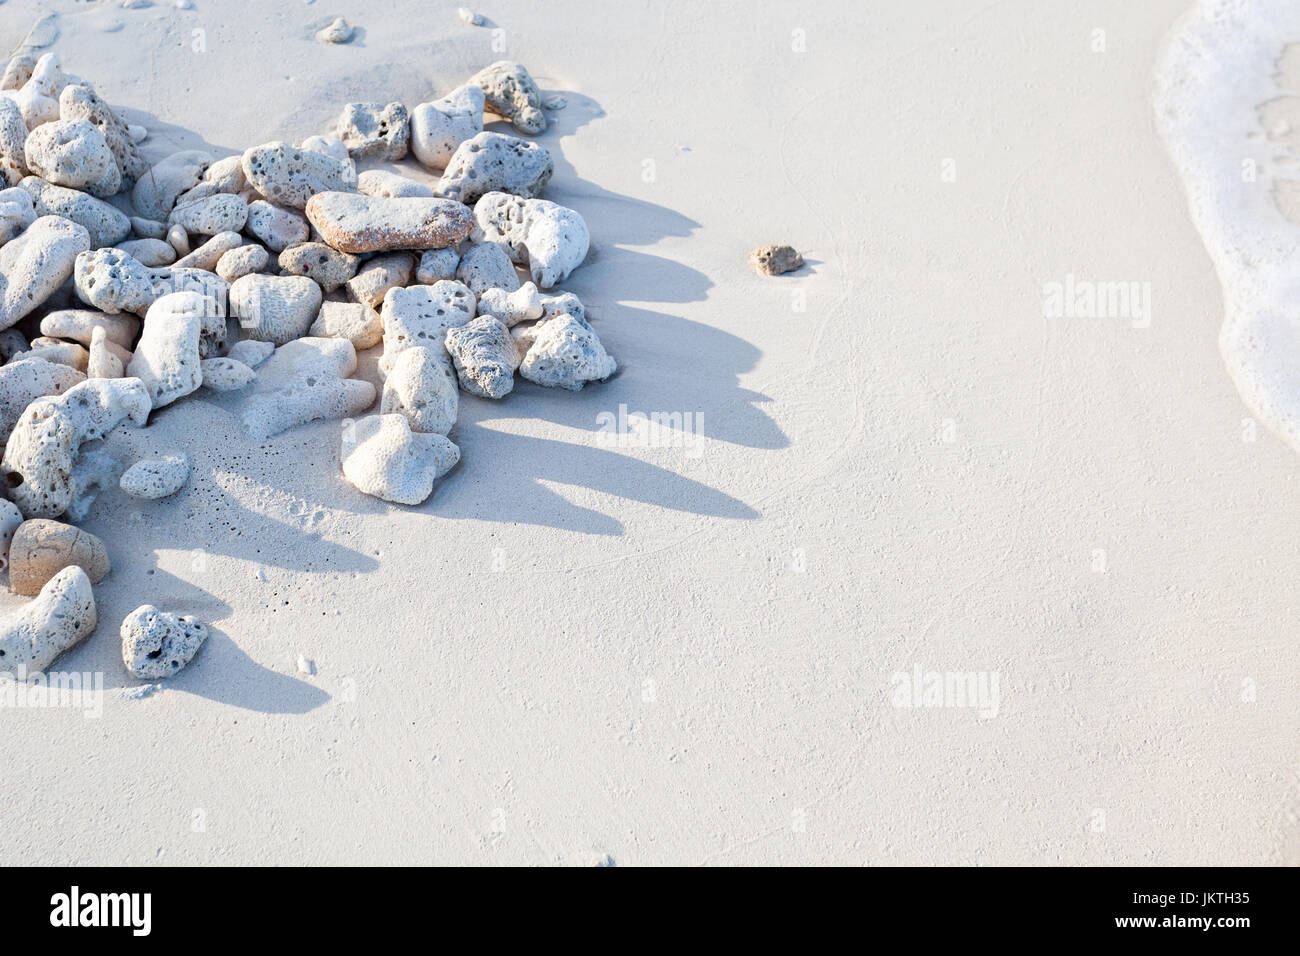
x: 263, y: 272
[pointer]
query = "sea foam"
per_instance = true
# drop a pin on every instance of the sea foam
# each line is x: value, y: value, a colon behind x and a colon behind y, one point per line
x: 1227, y: 102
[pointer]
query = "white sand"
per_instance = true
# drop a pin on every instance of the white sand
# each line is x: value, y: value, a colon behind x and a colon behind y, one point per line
x: 688, y: 660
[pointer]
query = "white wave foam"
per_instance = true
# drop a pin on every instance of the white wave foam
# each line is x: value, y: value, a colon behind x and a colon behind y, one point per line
x: 1224, y: 87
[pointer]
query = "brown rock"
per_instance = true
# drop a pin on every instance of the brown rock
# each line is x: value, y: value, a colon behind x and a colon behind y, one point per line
x: 42, y: 548
x: 355, y: 223
x: 775, y: 260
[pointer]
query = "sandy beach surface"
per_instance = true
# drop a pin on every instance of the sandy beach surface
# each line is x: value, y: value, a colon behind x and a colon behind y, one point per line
x: 682, y: 648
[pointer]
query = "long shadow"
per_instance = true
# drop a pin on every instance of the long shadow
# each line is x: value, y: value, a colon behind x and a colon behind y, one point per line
x: 668, y: 363
x: 517, y: 495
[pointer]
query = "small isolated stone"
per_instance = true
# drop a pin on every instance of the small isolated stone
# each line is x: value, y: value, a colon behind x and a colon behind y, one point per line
x: 555, y: 102
x: 372, y: 131
x: 157, y: 477
x: 382, y: 457
x: 351, y: 222
x: 493, y: 162
x: 340, y: 31
x: 469, y: 17
x: 511, y: 92
x: 42, y: 548
x: 775, y: 260
x: 157, y: 644
x: 305, y: 666
x: 552, y: 240
x: 485, y: 357
x: 34, y: 635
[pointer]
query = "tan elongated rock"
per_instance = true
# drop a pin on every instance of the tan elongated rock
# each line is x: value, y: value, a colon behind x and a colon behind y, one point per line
x: 355, y: 223
x: 41, y: 548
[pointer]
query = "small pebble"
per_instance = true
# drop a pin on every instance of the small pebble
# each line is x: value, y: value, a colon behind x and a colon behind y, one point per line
x: 775, y: 260
x: 340, y: 31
